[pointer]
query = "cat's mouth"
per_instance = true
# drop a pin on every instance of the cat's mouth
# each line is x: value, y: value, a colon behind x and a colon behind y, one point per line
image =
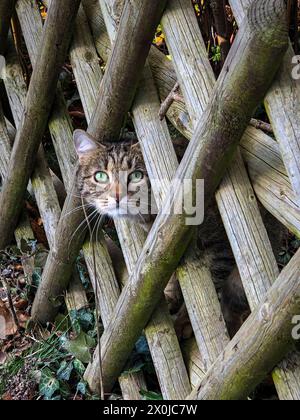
x: 121, y: 210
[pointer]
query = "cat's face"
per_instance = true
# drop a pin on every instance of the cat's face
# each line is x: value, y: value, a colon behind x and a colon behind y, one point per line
x: 113, y: 178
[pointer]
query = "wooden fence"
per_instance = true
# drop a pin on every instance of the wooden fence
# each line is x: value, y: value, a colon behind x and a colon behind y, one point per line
x: 211, y: 366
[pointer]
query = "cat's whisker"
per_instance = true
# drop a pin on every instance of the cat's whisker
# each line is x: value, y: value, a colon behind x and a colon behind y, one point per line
x: 98, y: 227
x: 100, y: 224
x: 92, y: 233
x: 81, y: 225
x: 75, y: 195
x: 77, y: 209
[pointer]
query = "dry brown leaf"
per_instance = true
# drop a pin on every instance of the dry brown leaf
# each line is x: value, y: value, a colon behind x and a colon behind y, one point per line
x: 7, y: 324
x: 3, y: 357
x: 21, y: 304
x: 7, y: 397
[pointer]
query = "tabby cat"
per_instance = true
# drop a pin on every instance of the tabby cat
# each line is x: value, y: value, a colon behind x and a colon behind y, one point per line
x: 109, y: 178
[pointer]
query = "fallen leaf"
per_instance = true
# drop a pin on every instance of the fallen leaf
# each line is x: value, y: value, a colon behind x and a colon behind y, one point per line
x: 80, y: 347
x: 48, y: 384
x: 21, y: 304
x: 7, y: 325
x: 3, y: 357
x: 7, y: 397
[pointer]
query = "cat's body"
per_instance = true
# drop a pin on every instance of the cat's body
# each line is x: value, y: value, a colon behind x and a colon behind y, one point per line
x: 111, y: 192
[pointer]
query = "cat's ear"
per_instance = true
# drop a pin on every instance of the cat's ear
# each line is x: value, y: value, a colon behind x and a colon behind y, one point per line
x: 84, y: 143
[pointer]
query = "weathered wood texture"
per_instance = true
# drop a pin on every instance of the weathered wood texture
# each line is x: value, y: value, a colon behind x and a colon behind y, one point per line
x: 255, y: 259
x: 56, y: 36
x: 5, y: 145
x: 84, y: 60
x: 41, y: 180
x: 165, y: 79
x: 179, y: 18
x: 131, y: 385
x: 166, y: 356
x: 235, y: 197
x: 196, y: 80
x: 138, y: 17
x: 283, y: 107
x: 269, y: 178
x: 59, y: 124
x: 195, y: 365
x: 206, y: 160
x: 161, y: 67
x: 140, y: 55
x: 262, y: 342
x: 24, y: 231
x: 60, y: 261
x: 160, y: 333
x: 41, y: 184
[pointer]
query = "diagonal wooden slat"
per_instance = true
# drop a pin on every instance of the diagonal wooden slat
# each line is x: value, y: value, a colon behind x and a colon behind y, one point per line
x: 283, y: 107
x: 166, y: 355
x: 282, y: 206
x: 196, y: 80
x: 264, y: 340
x: 57, y: 33
x: 269, y: 178
x: 235, y: 197
x: 61, y: 128
x: 70, y: 226
x: 88, y: 76
x: 86, y: 63
x: 41, y: 184
x: 272, y: 186
x: 23, y: 231
x: 267, y: 174
x: 162, y: 68
x: 138, y: 54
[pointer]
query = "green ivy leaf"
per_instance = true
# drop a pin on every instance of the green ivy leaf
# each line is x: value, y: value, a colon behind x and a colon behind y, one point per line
x: 65, y: 390
x: 80, y: 347
x: 83, y: 319
x: 79, y: 367
x: 81, y: 388
x: 48, y: 384
x: 65, y: 371
x: 36, y: 277
x: 56, y: 398
x: 135, y: 369
x: 149, y: 395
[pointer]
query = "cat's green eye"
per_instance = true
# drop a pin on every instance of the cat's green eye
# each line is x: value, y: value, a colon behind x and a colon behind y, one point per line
x: 136, y: 176
x: 102, y: 177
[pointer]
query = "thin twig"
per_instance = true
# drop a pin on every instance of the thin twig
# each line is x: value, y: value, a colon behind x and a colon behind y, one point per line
x: 173, y: 96
x: 10, y: 301
x: 262, y: 125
